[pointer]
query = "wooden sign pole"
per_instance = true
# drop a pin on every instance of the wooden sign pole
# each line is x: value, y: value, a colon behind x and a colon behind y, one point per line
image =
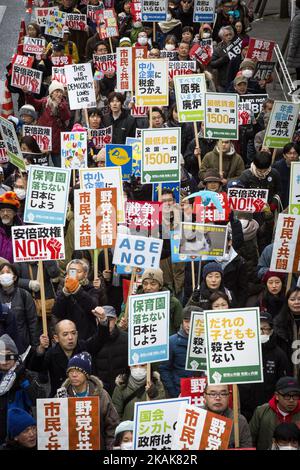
x: 236, y: 415
x: 43, y: 297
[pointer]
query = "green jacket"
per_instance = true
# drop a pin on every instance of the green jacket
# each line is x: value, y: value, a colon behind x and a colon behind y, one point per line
x: 176, y: 315
x: 233, y: 164
x: 263, y: 424
x: 124, y: 390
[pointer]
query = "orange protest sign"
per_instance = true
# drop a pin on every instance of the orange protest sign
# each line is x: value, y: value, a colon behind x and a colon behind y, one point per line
x: 84, y: 423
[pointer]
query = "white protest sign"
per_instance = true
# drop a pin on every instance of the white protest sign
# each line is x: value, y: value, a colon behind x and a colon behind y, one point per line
x: 138, y: 252
x: 23, y: 77
x: 196, y: 351
x: 281, y: 125
x: 80, y: 86
x: 34, y: 45
x: 151, y: 82
x: 41, y: 134
x: 190, y: 91
x: 286, y: 248
x: 38, y: 242
x: 294, y: 200
x: 124, y: 67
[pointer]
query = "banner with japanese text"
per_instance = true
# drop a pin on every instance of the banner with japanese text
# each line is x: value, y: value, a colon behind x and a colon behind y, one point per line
x: 11, y: 142
x: 294, y: 199
x: 196, y: 351
x: 193, y: 387
x: 105, y: 62
x: 189, y: 90
x: 160, y: 155
x: 247, y: 200
x: 38, y: 242
x: 148, y: 328
x: 47, y: 195
x: 3, y: 152
x: 233, y: 346
x: 23, y: 77
x: 143, y: 217
x: 209, y: 213
x: 221, y: 116
x: 151, y: 82
x: 255, y: 101
x: 93, y: 12
x: 101, y: 137
x: 108, y: 24
x: 203, y: 239
x: 286, y: 248
x: 68, y: 423
x: 198, y: 429
x: 76, y: 21
x: 58, y: 74
x: 202, y: 51
x: 41, y: 15
x: 95, y: 218
x: 204, y: 11
x: 154, y: 423
x: 181, y: 67
x: 73, y: 150
x: 91, y: 178
x: 80, y: 86
x: 154, y: 10
x: 41, y: 134
x: 260, y: 50
x: 281, y: 125
x: 124, y: 66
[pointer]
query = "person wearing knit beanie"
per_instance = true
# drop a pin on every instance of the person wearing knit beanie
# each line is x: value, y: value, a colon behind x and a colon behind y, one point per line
x: 212, y: 267
x: 28, y: 114
x: 7, y: 345
x: 21, y: 427
x: 268, y: 274
x: 148, y: 280
x: 81, y: 362
x: 9, y: 205
x: 9, y: 200
x: 55, y: 85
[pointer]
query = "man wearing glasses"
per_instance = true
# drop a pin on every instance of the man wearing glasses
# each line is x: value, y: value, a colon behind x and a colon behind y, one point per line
x: 216, y: 398
x: 284, y: 407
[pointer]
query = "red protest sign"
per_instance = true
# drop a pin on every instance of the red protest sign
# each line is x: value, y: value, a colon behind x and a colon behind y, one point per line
x: 3, y: 152
x: 33, y: 243
x: 108, y: 24
x: 202, y: 52
x: 136, y: 10
x: 23, y: 60
x: 101, y: 137
x: 42, y: 135
x: 194, y: 387
x: 247, y: 200
x: 76, y: 21
x: 260, y: 50
x: 209, y: 213
x: 105, y: 62
x: 143, y: 215
x: 61, y: 61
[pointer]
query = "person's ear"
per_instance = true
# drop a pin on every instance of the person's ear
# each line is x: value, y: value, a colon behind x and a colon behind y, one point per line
x: 55, y: 337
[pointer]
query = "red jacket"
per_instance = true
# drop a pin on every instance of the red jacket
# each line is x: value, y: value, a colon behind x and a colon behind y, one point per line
x: 46, y: 118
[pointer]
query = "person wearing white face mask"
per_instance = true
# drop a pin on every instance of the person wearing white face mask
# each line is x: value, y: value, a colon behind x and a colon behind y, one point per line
x: 124, y: 436
x: 286, y: 437
x: 132, y: 387
x: 19, y: 189
x: 275, y: 365
x: 142, y: 39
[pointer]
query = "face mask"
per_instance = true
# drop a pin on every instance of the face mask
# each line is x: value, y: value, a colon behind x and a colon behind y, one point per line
x: 21, y: 193
x: 247, y: 73
x: 287, y: 448
x: 206, y: 35
x: 264, y: 338
x: 169, y: 17
x: 6, y: 279
x: 126, y: 446
x: 143, y: 41
x: 169, y: 47
x: 139, y: 373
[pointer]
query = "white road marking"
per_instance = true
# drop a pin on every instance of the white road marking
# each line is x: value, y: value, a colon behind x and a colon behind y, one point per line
x: 2, y: 12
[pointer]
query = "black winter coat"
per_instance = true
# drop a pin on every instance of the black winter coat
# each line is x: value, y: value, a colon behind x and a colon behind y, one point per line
x: 123, y: 127
x: 51, y: 271
x: 187, y: 132
x: 236, y: 279
x: 55, y: 361
x: 112, y: 360
x: 271, y: 182
x: 190, y: 161
x: 275, y: 366
x: 78, y: 308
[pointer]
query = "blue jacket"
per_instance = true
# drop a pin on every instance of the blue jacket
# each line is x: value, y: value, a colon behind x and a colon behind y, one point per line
x: 173, y: 370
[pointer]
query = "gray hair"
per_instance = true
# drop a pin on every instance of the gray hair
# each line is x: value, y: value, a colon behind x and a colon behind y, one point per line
x: 84, y: 265
x: 223, y: 29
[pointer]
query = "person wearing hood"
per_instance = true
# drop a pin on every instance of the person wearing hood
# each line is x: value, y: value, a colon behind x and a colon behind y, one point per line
x: 9, y: 205
x: 21, y: 430
x: 272, y: 297
x: 275, y: 366
x: 18, y: 388
x: 233, y: 164
x: 173, y: 370
x: 283, y: 407
x: 290, y: 153
x: 80, y: 383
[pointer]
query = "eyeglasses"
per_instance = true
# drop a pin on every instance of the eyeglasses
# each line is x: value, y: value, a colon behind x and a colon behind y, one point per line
x: 219, y: 395
x: 288, y: 396
x: 266, y: 330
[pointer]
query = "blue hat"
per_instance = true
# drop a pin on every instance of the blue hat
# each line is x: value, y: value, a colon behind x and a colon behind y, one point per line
x: 82, y: 362
x: 123, y: 427
x: 212, y: 267
x: 17, y: 421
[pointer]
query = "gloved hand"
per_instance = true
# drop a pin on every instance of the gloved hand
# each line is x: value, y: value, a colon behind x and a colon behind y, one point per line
x: 34, y: 285
x: 196, y: 295
x: 71, y: 284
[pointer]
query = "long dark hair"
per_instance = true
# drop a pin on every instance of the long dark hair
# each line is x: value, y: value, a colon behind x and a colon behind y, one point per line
x: 284, y: 321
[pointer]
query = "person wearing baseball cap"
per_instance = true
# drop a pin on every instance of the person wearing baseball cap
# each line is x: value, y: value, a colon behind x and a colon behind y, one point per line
x: 284, y: 407
x: 240, y: 84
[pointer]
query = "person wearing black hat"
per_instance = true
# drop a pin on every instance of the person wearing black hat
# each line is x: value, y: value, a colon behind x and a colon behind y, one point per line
x: 286, y: 437
x: 284, y: 407
x: 173, y: 370
x: 275, y: 366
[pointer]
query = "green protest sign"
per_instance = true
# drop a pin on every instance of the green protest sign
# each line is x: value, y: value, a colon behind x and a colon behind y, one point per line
x: 221, y: 116
x: 281, y: 125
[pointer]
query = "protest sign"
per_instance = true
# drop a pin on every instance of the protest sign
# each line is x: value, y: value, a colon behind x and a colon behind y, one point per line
x: 36, y: 242
x: 154, y: 10
x: 61, y: 61
x: 189, y: 92
x: 171, y: 55
x: 204, y: 11
x: 120, y: 155
x: 154, y: 423
x: 260, y: 50
x: 23, y: 77
x: 124, y: 66
x: 12, y: 144
x: 173, y: 186
x: 143, y: 216
x: 80, y: 86
x: 95, y: 218
x: 263, y: 70
x: 42, y: 135
x: 136, y: 145
x: 202, y: 51
x: 3, y: 152
x: 198, y: 429
x: 175, y: 256
x: 203, y: 240
x: 209, y: 213
x: 91, y: 178
x: 73, y: 150
x: 255, y: 101
x: 76, y: 21
x: 193, y: 387
x: 294, y: 199
x: 281, y: 124
x: 136, y: 10
x: 160, y: 155
x: 93, y: 12
x: 233, y: 346
x: 138, y: 252
x: 34, y: 45
x: 139, y: 111
x: 101, y: 137
x: 181, y: 67
x: 244, y: 113
x: 68, y: 423
x: 108, y: 24
x: 41, y: 15
x: 105, y: 62
x: 196, y: 351
x: 58, y: 74
x: 151, y: 82
x: 247, y: 200
x: 140, y: 52
x: 55, y: 23
x: 286, y: 248
x: 221, y: 116
x: 22, y: 60
x: 148, y: 328
x: 234, y: 48
x: 36, y: 158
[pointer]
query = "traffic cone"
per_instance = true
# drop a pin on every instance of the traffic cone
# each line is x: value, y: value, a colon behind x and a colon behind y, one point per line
x: 22, y: 33
x: 29, y: 6
x: 7, y: 108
